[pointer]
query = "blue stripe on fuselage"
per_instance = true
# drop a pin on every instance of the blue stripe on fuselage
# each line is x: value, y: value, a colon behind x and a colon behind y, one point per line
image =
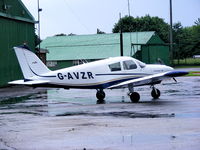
x: 99, y: 86
x: 108, y: 74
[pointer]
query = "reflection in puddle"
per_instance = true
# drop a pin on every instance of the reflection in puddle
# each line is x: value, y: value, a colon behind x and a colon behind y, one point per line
x: 21, y: 112
x: 188, y: 115
x: 128, y: 114
x: 172, y: 91
x: 33, y: 104
x: 14, y: 100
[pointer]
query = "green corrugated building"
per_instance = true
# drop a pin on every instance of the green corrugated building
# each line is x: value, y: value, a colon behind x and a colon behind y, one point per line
x: 16, y: 28
x: 65, y: 51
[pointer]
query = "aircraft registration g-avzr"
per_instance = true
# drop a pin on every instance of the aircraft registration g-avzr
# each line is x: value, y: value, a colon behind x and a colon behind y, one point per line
x: 111, y: 73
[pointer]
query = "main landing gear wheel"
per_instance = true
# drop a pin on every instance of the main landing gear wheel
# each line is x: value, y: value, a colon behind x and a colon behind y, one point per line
x: 135, y: 97
x: 155, y: 93
x: 100, y: 96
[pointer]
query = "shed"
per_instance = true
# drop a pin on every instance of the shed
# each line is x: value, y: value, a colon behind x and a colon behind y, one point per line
x: 65, y: 51
x: 16, y: 28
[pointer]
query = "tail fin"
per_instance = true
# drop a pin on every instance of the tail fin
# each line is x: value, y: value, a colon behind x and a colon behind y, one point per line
x: 30, y: 64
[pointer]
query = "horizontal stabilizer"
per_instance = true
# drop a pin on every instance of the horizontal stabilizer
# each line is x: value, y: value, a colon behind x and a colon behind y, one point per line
x: 34, y: 82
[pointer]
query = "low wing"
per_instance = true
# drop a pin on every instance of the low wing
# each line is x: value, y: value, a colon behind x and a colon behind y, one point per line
x: 150, y: 79
x: 23, y: 82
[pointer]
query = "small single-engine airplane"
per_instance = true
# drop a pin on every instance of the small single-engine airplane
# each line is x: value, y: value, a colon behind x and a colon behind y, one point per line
x: 116, y: 72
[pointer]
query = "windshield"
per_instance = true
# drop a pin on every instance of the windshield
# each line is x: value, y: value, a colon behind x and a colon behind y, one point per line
x: 141, y: 64
x: 129, y: 65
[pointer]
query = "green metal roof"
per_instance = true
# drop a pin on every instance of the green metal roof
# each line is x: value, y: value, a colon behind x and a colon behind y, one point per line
x: 96, y: 46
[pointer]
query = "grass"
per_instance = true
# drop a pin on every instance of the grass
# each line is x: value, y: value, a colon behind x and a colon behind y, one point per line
x: 187, y: 61
x: 186, y: 66
x: 193, y: 73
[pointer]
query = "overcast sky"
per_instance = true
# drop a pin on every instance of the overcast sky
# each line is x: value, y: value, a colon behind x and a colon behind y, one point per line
x: 85, y: 16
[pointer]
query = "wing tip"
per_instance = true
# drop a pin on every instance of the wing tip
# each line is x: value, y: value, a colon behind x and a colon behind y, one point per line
x: 176, y: 73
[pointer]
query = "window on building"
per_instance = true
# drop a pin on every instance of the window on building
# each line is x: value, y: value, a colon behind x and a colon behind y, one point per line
x: 79, y: 62
x: 51, y: 63
x: 115, y: 67
x: 76, y: 62
x: 129, y: 64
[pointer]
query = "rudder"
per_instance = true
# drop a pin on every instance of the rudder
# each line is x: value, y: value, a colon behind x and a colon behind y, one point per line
x: 30, y: 64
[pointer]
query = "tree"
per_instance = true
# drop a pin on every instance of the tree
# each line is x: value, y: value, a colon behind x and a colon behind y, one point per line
x: 37, y: 40
x: 146, y: 23
x: 195, y: 40
x: 178, y: 35
x: 197, y: 22
x: 187, y: 40
x: 61, y: 34
x: 100, y: 32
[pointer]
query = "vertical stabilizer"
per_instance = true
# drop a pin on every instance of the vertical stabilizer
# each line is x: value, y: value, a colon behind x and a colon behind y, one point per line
x: 30, y: 64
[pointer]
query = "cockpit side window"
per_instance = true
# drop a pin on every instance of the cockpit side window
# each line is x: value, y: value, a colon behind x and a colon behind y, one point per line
x: 115, y: 66
x: 129, y: 65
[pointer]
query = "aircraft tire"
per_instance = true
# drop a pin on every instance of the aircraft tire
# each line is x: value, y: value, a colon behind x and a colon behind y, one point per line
x: 155, y: 93
x: 135, y: 97
x: 101, y: 101
x: 100, y: 95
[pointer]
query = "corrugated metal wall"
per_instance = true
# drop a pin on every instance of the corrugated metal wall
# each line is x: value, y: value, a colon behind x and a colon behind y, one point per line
x: 13, y: 33
x: 151, y: 54
x: 155, y: 50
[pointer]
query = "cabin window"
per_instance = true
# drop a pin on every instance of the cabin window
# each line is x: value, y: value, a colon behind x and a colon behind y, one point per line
x: 115, y: 67
x: 129, y: 64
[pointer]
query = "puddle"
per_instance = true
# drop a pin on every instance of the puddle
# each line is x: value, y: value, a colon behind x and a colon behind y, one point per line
x: 172, y: 91
x: 188, y: 115
x: 120, y: 114
x: 14, y: 100
x: 21, y: 112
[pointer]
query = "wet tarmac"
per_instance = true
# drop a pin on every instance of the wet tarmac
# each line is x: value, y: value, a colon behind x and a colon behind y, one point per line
x: 49, y: 119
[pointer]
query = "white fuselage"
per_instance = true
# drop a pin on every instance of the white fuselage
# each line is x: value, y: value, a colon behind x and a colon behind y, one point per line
x: 101, y: 74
